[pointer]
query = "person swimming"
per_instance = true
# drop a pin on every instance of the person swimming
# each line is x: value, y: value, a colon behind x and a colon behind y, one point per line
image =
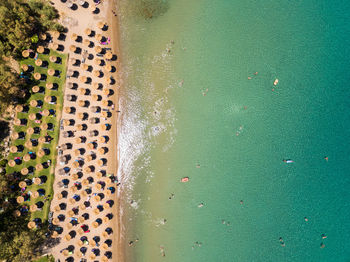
x: 288, y: 161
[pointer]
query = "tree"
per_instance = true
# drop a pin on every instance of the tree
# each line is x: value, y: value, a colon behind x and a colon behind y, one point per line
x: 12, y: 87
x: 20, y: 20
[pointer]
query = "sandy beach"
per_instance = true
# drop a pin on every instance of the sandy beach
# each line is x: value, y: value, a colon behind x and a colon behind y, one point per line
x: 85, y: 206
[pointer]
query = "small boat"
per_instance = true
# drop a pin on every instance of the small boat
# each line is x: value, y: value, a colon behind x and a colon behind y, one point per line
x: 185, y: 179
x: 288, y: 161
x: 275, y: 82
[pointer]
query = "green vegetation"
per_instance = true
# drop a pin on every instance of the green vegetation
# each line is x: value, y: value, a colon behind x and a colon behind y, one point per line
x: 21, y: 22
x: 46, y: 259
x: 10, y: 181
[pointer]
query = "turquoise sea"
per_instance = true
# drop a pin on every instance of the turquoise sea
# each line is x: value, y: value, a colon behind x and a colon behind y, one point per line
x: 198, y: 101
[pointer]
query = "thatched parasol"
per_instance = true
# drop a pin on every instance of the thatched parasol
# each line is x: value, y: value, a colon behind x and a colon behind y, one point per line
x: 82, y: 206
x: 105, y: 114
x: 108, y: 55
x: 32, y: 116
x: 20, y: 200
x: 108, y: 67
x: 96, y: 211
x: 33, y: 208
x: 97, y: 73
x: 99, y: 37
x: 72, y: 48
x: 28, y: 144
x: 86, y: 42
x: 67, y: 237
x: 40, y: 49
x: 39, y: 167
x: 101, y: 24
x: 97, y: 198
x: 102, y: 150
x: 55, y: 46
x: 38, y: 62
x: 65, y: 252
x: 22, y: 184
x: 79, y: 242
x: 80, y: 231
x: 13, y: 149
x: 83, y: 79
x: 24, y: 171
x: 41, y: 153
x: 104, y: 245
x: 16, y: 213
x: 70, y: 213
x: 88, y: 31
x: 59, y: 196
x: 98, y: 187
x: 35, y: 194
x: 57, y: 208
x: 53, y: 59
x: 24, y: 67
x: 17, y: 122
x: 35, y: 89
x: 81, y: 219
x: 56, y: 34
x: 54, y: 234
x: 25, y: 53
x: 74, y: 36
x: 98, y: 61
x: 73, y: 189
x: 92, y: 256
x: 104, y: 259
x: 92, y: 243
x: 31, y: 225
x: 37, y: 181
x: 43, y: 36
x: 91, y: 146
x: 88, y: 169
x: 95, y: 224
x: 33, y: 103
x: 105, y: 234
x: 19, y: 108
x: 26, y: 158
x: 96, y: 97
x: 84, y: 193
x: 51, y: 72
x: 49, y: 85
x: 85, y: 67
x: 37, y: 76
x: 98, y: 49
x: 99, y: 174
x: 105, y: 103
x: 85, y: 182
x: 103, y: 127
x: 79, y: 128
x: 72, y: 201
x: 75, y: 177
x: 55, y: 221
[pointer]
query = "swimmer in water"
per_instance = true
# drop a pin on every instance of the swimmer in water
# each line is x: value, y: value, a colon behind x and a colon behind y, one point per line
x: 323, y: 236
x: 306, y: 219
x: 201, y: 205
x: 241, y: 202
x: 326, y: 158
x: 171, y: 196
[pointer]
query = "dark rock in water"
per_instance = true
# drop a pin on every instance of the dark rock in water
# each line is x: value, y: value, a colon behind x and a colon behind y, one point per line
x: 149, y: 9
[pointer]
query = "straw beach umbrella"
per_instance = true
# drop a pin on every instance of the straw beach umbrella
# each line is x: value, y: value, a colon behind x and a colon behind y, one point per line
x: 109, y: 55
x: 101, y: 24
x: 51, y: 72
x: 86, y: 42
x: 37, y: 76
x: 31, y: 225
x: 25, y: 53
x: 98, y: 49
x: 72, y: 48
x: 98, y: 61
x: 35, y: 89
x: 24, y: 171
x: 53, y: 59
x: 74, y: 36
x: 88, y: 31
x: 38, y: 62
x: 40, y: 49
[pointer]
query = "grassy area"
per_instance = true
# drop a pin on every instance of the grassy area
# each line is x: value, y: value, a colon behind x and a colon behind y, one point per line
x: 49, y: 258
x: 54, y: 119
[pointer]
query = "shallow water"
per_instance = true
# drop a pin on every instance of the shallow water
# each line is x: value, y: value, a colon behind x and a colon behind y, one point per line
x: 189, y: 110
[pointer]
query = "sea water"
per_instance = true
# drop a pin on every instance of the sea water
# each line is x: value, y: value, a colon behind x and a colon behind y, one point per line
x: 198, y: 101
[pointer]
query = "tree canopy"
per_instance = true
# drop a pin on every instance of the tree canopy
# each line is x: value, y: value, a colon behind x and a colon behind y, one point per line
x: 20, y: 20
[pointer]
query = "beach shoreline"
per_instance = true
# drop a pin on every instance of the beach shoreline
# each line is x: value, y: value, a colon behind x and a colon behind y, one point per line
x: 76, y: 22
